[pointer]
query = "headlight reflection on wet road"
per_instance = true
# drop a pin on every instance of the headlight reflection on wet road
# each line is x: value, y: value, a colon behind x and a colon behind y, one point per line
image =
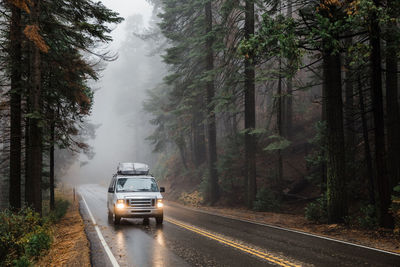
x: 158, y: 255
x: 160, y: 237
x: 120, y: 239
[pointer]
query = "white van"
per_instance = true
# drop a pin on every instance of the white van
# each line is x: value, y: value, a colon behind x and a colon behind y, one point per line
x: 133, y: 193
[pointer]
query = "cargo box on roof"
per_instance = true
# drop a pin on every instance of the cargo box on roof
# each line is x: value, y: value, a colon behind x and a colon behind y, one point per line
x: 129, y: 168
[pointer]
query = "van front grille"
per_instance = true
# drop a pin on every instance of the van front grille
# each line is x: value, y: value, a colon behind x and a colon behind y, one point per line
x: 141, y: 202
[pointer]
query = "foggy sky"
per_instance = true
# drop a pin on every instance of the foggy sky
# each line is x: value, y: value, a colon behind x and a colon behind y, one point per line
x: 119, y: 96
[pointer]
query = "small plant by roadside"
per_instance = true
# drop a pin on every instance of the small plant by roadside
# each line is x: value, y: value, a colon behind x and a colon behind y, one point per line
x: 24, y: 235
x: 395, y: 208
x: 317, y: 211
x: 368, y: 218
x: 192, y: 199
x: 61, y: 209
x: 266, y: 200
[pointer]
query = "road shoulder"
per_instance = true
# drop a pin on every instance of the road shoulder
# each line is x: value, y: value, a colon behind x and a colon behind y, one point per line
x: 70, y: 246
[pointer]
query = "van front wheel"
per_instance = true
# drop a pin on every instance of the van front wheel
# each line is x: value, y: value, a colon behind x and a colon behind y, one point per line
x: 159, y: 219
x: 117, y: 219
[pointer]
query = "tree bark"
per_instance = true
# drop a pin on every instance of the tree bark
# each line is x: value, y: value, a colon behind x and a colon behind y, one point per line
x: 249, y: 109
x: 323, y: 153
x: 52, y: 142
x: 367, y: 149
x: 211, y: 125
x: 392, y: 104
x: 349, y: 119
x: 336, y: 190
x: 385, y: 219
x: 28, y: 189
x: 280, y: 124
x: 289, y: 91
x: 15, y: 109
x: 199, y: 142
x: 35, y: 130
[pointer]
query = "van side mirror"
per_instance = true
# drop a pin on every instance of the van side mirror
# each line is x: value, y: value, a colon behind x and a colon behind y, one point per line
x: 162, y: 189
x: 110, y: 190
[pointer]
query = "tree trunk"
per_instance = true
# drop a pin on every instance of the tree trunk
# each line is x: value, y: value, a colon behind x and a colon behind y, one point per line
x: 280, y: 122
x: 180, y: 142
x: 336, y: 190
x: 199, y: 142
x: 15, y: 109
x: 323, y: 140
x: 385, y: 219
x: 392, y: 104
x: 52, y: 142
x: 367, y: 149
x: 28, y: 189
x: 349, y: 119
x: 35, y: 131
x: 249, y: 109
x: 211, y: 126
x: 289, y: 91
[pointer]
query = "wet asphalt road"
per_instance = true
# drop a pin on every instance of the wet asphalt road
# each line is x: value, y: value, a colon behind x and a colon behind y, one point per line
x: 193, y: 238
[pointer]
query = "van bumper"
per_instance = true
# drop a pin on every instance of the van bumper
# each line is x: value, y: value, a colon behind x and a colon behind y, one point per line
x: 139, y: 213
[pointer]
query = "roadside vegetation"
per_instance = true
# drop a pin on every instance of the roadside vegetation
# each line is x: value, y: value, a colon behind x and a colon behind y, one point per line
x: 25, y: 235
x: 288, y: 106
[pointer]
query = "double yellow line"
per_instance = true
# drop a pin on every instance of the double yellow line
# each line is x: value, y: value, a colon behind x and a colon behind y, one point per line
x: 258, y: 253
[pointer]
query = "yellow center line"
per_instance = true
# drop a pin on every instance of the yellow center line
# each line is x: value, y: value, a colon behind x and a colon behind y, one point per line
x: 267, y: 256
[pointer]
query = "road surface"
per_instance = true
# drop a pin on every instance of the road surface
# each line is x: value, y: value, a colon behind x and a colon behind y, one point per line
x: 194, y: 238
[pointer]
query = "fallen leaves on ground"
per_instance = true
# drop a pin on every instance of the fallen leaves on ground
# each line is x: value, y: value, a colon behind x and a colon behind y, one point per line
x: 70, y: 246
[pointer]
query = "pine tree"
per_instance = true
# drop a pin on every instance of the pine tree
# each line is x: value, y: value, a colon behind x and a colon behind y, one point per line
x: 249, y: 108
x: 15, y: 107
x: 211, y: 124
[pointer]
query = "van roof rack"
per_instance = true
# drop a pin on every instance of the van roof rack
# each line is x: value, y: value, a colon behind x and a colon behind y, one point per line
x: 129, y: 168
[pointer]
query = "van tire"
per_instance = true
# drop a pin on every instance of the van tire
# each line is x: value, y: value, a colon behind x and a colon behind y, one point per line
x: 117, y: 219
x: 159, y: 219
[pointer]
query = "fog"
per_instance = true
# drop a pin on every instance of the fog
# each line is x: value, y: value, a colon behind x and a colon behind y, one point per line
x: 118, y: 98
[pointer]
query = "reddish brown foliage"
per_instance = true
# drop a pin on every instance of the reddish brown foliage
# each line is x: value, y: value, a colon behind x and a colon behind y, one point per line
x: 21, y: 4
x: 32, y: 33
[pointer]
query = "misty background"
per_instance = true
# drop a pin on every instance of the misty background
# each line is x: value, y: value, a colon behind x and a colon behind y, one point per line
x: 118, y: 125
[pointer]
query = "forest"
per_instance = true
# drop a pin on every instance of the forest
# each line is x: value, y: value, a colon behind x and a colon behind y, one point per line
x: 270, y: 101
x: 50, y: 51
x: 265, y: 102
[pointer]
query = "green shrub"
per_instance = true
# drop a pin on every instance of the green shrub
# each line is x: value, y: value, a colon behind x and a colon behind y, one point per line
x: 368, y: 218
x: 14, y: 230
x: 61, y: 207
x: 24, y: 235
x: 266, y: 200
x: 317, y: 211
x: 37, y: 242
x: 22, y: 262
x: 395, y: 208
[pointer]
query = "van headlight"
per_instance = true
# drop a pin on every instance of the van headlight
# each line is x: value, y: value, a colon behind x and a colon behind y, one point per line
x: 120, y: 204
x: 160, y: 203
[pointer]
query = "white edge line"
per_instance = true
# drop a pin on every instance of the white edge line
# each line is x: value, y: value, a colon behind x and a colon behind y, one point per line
x: 289, y: 230
x: 102, y: 240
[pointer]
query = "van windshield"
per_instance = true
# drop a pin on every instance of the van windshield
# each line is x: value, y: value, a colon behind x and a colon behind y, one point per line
x: 136, y: 185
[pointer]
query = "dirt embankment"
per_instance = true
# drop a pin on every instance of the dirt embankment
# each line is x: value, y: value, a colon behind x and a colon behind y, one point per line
x: 70, y: 246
